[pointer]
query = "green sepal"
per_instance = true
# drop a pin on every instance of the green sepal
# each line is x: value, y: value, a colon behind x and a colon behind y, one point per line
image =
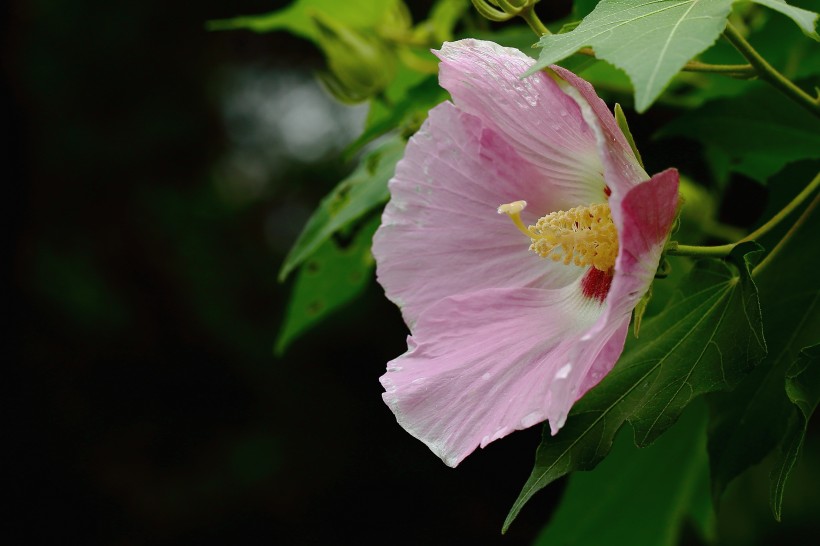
x: 620, y: 119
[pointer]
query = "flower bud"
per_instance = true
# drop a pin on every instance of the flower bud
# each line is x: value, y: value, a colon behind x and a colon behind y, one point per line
x: 359, y: 66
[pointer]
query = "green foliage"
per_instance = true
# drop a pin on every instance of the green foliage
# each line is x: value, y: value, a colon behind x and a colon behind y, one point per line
x: 356, y: 38
x: 705, y: 341
x: 748, y: 423
x: 331, y: 277
x: 705, y: 337
x: 414, y: 90
x: 639, y: 497
x: 297, y: 17
x: 803, y: 388
x: 650, y: 41
x: 408, y: 112
x: 755, y: 134
x: 359, y: 66
x: 444, y: 16
x: 805, y: 19
x: 355, y: 196
x: 775, y: 37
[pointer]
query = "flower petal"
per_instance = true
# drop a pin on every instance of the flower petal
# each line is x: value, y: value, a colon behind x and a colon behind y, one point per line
x: 622, y: 170
x: 482, y: 365
x: 533, y: 115
x: 647, y: 213
x: 503, y: 339
x: 440, y: 233
x: 644, y: 220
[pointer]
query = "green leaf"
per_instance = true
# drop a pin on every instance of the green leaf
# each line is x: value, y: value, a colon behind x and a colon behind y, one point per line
x: 650, y: 40
x: 639, y: 497
x: 333, y: 276
x: 803, y: 388
x: 402, y: 100
x: 296, y: 18
x: 756, y: 134
x: 748, y: 423
x: 705, y: 341
x: 775, y: 38
x: 805, y: 19
x: 356, y: 195
x: 803, y: 381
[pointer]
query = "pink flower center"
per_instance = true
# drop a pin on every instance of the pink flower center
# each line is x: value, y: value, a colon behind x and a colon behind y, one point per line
x: 582, y: 236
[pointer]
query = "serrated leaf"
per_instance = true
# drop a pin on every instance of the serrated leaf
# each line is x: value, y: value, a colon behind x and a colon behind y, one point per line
x: 803, y: 389
x: 356, y: 195
x: 749, y: 422
x: 705, y: 341
x: 650, y: 40
x: 639, y: 497
x: 330, y: 278
x: 756, y: 134
x: 805, y: 19
x: 296, y: 18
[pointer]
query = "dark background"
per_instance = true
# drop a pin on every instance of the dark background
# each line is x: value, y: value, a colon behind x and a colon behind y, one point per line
x: 147, y: 405
x: 151, y: 203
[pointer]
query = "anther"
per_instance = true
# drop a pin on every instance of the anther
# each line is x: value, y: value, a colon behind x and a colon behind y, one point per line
x: 582, y: 236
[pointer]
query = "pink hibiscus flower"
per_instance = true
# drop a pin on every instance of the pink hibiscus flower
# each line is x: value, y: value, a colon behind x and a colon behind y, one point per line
x: 502, y: 338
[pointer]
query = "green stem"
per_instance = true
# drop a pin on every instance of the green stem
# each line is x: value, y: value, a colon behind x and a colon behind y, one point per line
x: 800, y: 221
x: 739, y: 71
x: 529, y: 15
x: 768, y: 73
x: 723, y: 250
x: 674, y: 249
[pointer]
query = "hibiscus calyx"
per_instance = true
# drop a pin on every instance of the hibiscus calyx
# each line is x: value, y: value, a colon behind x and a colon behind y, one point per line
x: 583, y: 236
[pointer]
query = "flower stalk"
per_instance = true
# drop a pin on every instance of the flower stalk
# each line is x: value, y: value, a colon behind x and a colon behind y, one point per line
x: 531, y: 18
x: 737, y: 71
x: 769, y: 74
x: 800, y: 221
x: 675, y: 249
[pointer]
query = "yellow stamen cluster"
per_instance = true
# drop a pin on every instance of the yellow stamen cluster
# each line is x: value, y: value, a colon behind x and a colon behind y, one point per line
x: 582, y: 235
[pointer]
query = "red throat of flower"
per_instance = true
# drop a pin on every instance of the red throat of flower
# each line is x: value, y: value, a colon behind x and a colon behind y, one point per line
x: 596, y: 283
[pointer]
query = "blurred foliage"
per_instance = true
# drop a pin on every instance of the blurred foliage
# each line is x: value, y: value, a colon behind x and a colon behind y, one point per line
x: 333, y: 275
x: 755, y: 134
x: 641, y: 497
x: 153, y: 203
x: 355, y: 196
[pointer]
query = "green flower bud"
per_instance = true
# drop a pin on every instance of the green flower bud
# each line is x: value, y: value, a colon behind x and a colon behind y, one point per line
x: 359, y: 65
